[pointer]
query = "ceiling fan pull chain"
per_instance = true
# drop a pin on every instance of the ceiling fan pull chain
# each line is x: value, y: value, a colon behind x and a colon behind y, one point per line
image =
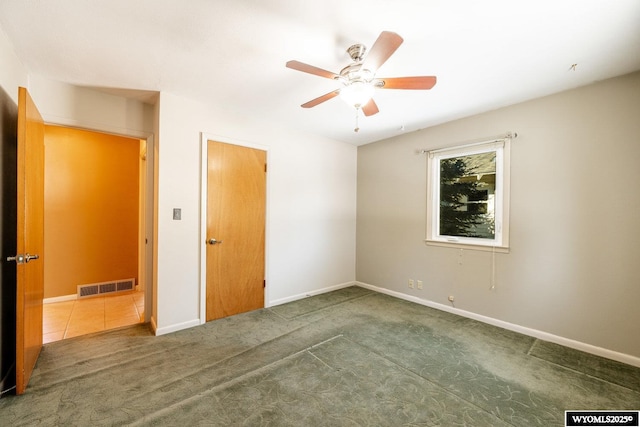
x: 357, y: 128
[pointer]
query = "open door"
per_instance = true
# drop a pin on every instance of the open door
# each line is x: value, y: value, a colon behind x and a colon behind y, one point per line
x: 30, y: 244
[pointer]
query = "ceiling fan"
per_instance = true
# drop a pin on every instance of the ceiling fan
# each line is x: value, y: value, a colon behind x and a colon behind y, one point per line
x: 359, y: 79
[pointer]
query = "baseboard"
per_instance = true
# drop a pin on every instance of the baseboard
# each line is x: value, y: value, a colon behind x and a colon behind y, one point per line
x: 310, y: 294
x: 62, y: 298
x: 174, y: 328
x: 196, y: 322
x: 545, y: 336
x: 74, y: 297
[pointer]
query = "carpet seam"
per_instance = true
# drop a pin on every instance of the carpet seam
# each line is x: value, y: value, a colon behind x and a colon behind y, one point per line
x: 94, y: 334
x: 429, y: 381
x: 101, y: 369
x: 168, y: 409
x: 211, y: 365
x: 533, y: 344
x: 323, y: 308
x: 575, y: 371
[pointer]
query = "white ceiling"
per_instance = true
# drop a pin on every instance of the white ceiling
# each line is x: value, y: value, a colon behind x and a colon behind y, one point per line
x: 486, y: 54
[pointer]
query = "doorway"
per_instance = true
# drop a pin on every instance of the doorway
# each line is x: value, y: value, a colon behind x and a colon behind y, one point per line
x: 234, y: 187
x: 96, y: 190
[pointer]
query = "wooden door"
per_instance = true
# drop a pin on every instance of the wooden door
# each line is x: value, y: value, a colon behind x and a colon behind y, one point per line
x: 236, y: 209
x: 30, y: 244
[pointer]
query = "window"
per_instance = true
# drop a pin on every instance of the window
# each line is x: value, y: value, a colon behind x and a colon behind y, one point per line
x: 468, y: 195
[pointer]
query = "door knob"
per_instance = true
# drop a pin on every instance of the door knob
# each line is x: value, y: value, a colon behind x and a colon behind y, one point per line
x: 214, y: 241
x: 19, y: 259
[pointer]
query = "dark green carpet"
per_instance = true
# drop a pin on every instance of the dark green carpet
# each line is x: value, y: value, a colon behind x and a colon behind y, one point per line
x: 347, y: 358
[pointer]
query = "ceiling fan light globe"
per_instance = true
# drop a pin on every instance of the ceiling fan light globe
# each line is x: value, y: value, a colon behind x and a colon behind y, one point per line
x: 357, y: 94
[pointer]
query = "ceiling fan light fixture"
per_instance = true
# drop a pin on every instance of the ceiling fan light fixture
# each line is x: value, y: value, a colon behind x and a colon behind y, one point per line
x: 357, y: 93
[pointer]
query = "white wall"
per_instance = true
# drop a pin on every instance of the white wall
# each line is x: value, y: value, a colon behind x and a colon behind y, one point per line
x: 311, y: 209
x: 69, y: 105
x: 12, y: 72
x: 575, y: 205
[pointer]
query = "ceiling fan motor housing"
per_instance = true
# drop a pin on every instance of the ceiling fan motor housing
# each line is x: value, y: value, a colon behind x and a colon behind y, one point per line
x: 355, y: 73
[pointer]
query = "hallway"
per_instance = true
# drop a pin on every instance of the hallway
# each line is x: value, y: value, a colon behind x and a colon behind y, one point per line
x: 68, y: 319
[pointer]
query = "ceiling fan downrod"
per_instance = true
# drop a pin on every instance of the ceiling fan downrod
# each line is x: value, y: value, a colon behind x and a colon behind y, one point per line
x: 356, y: 52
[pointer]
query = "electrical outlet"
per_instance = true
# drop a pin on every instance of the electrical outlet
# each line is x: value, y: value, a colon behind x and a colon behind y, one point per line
x: 451, y: 298
x: 419, y: 284
x: 411, y: 283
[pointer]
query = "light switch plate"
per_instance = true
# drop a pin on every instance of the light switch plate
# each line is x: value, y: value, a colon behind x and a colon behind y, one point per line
x: 177, y: 214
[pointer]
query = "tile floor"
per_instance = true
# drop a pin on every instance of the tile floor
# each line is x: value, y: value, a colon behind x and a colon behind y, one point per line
x: 69, y: 319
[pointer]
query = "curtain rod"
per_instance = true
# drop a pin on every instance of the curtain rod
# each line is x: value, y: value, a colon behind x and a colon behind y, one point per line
x: 499, y: 138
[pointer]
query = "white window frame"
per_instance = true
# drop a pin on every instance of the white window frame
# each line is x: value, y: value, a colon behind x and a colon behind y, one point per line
x: 500, y: 243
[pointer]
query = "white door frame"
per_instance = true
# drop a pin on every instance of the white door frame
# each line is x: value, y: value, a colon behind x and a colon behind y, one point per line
x: 204, y: 137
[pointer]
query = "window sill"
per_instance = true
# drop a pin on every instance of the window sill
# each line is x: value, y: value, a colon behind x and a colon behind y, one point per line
x: 468, y: 246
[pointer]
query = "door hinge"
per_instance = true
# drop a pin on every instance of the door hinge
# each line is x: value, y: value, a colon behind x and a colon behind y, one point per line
x: 264, y: 283
x: 265, y: 168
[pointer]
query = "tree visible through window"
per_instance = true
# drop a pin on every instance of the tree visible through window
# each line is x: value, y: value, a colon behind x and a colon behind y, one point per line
x: 467, y: 202
x: 467, y: 186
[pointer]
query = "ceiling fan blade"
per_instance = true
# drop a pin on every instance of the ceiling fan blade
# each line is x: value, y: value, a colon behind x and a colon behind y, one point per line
x: 419, y: 82
x: 370, y: 108
x: 306, y: 68
x: 321, y: 99
x: 382, y: 49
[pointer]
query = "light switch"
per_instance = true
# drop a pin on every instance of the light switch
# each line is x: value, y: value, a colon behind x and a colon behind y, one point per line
x: 177, y: 214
